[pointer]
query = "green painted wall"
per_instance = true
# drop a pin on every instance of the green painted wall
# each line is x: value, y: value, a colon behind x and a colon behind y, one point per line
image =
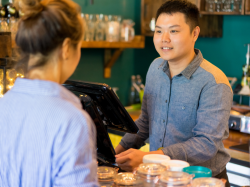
x: 90, y: 67
x: 227, y: 53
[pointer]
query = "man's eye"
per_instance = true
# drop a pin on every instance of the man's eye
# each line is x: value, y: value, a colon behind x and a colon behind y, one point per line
x: 173, y: 31
x: 157, y: 31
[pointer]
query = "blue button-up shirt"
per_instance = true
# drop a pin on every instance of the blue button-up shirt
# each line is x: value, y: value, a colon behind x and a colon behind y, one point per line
x: 187, y: 115
x: 46, y: 139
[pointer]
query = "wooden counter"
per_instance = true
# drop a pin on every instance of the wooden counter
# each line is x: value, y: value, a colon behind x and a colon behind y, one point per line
x: 235, y: 138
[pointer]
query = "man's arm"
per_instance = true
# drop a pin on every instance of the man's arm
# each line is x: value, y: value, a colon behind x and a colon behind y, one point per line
x: 132, y: 158
x: 211, y: 127
x: 136, y: 141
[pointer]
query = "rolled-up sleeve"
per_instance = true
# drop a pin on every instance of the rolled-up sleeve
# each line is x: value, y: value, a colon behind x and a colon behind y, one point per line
x: 138, y: 140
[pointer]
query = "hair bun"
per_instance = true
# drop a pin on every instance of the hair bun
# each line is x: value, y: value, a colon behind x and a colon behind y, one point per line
x: 30, y: 8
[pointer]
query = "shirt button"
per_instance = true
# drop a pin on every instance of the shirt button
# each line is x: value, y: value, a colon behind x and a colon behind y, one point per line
x: 163, y: 121
x: 183, y: 108
x: 160, y: 140
x: 166, y: 101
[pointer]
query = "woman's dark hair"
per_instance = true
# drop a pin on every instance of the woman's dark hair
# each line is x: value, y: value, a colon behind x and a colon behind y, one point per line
x: 44, y: 26
x: 189, y: 10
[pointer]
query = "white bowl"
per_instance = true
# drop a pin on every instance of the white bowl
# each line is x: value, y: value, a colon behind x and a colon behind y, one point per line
x: 175, y: 165
x: 155, y: 158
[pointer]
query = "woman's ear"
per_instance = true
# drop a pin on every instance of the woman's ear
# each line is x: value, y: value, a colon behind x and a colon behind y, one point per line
x: 66, y: 49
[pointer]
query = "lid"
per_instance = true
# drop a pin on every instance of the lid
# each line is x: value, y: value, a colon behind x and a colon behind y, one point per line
x: 175, y: 177
x: 207, y: 182
x: 198, y: 171
x: 127, y: 178
x: 175, y: 165
x: 151, y: 169
x: 155, y: 158
x: 105, y: 173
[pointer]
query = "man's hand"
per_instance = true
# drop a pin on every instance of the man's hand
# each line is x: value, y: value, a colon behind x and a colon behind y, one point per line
x: 119, y: 149
x: 132, y: 158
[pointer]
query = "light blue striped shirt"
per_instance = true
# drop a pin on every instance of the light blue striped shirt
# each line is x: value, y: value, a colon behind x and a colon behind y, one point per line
x: 46, y: 139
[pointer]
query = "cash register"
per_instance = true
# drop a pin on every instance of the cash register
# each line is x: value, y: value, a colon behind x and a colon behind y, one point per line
x: 106, y: 111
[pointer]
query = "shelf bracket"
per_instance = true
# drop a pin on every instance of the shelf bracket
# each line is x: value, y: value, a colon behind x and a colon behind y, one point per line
x: 109, y: 60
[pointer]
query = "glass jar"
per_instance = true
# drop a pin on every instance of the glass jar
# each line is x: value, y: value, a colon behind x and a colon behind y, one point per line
x: 106, y: 176
x: 113, y: 28
x: 150, y: 173
x: 100, y: 27
x: 4, y: 27
x: 175, y: 178
x: 128, y: 179
x: 90, y: 20
x: 211, y: 182
x: 209, y: 6
x: 127, y: 30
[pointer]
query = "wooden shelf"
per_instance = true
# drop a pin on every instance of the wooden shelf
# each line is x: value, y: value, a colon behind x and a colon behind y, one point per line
x: 202, y: 3
x: 219, y: 13
x: 138, y: 42
x: 109, y: 58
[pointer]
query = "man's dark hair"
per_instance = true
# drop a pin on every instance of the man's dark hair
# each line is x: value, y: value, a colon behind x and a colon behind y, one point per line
x: 189, y: 10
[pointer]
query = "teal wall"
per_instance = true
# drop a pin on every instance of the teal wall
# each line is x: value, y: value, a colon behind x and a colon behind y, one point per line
x: 90, y: 67
x: 227, y: 53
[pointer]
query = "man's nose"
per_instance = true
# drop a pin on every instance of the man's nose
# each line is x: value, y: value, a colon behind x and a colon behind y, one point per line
x: 165, y: 37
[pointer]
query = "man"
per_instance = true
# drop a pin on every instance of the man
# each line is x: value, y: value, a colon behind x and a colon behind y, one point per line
x: 187, y: 100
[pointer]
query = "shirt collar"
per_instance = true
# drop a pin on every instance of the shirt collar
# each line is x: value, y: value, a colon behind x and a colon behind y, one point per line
x: 44, y: 88
x: 189, y: 70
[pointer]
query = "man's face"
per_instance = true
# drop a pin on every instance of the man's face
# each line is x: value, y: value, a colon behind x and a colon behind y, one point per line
x: 173, y: 39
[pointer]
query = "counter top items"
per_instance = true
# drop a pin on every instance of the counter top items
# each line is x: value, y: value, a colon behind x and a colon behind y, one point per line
x: 198, y: 171
x: 175, y: 178
x: 136, y: 91
x: 99, y: 27
x: 210, y: 182
x: 222, y: 7
x: 150, y: 173
x: 106, y: 176
x: 175, y: 165
x: 128, y: 179
x: 155, y: 158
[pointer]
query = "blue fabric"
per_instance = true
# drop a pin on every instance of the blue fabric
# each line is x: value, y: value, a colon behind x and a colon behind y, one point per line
x: 46, y: 139
x: 187, y: 115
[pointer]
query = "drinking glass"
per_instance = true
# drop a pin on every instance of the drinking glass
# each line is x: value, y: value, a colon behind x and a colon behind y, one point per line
x: 209, y: 6
x: 100, y: 27
x: 4, y: 27
x: 127, y: 30
x: 237, y: 6
x: 13, y: 29
x: 90, y: 26
x: 217, y: 6
x: 113, y: 28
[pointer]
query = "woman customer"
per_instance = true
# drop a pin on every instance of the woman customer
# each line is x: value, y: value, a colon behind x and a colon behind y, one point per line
x: 46, y: 139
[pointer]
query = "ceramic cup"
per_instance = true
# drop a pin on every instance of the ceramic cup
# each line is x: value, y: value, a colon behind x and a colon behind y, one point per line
x: 155, y: 158
x: 175, y: 165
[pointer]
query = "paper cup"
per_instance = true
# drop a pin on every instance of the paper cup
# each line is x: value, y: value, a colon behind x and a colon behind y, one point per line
x: 175, y: 165
x: 155, y: 158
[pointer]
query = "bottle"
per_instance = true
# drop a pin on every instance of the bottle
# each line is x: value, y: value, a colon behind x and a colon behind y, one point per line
x: 2, y: 10
x: 11, y: 10
x: 139, y: 82
x: 132, y: 91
